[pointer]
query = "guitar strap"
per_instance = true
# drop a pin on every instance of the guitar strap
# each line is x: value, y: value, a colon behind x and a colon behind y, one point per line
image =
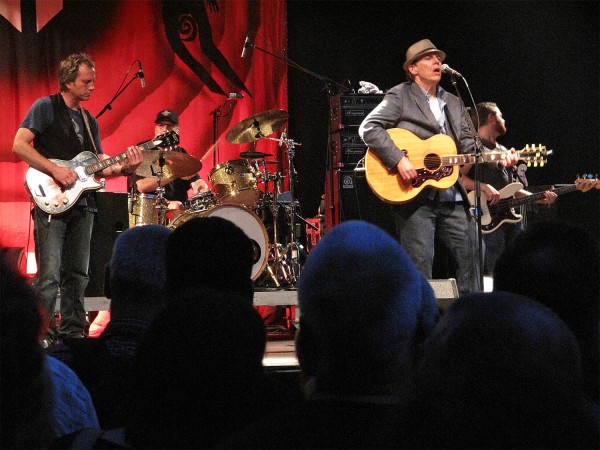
x: 88, y: 128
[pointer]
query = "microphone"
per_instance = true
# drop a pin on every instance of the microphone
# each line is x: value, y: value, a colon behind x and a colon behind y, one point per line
x: 282, y: 137
x: 450, y: 71
x: 246, y: 45
x: 235, y: 96
x: 140, y: 74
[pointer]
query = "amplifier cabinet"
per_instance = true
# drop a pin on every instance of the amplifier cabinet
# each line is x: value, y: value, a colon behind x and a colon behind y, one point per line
x: 347, y: 195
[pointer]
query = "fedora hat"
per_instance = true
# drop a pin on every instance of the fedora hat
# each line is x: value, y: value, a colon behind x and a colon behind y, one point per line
x: 419, y: 49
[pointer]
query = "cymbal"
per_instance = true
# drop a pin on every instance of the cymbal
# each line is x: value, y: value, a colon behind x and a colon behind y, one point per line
x: 254, y: 155
x: 177, y: 164
x: 257, y: 126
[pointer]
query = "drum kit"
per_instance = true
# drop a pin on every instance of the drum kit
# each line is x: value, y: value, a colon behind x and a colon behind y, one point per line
x: 268, y: 216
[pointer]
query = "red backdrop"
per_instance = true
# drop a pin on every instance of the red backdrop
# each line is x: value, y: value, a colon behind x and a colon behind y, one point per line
x: 191, y: 56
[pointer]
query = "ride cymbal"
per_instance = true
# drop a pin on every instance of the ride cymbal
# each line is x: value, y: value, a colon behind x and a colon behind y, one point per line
x: 257, y: 126
x: 176, y: 164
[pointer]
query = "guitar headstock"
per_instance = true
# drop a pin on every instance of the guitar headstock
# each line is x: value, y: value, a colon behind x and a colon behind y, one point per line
x: 585, y: 184
x: 166, y: 140
x: 534, y: 155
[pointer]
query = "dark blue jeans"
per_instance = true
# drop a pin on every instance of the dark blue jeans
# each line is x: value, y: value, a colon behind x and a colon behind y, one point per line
x: 417, y: 225
x: 62, y: 248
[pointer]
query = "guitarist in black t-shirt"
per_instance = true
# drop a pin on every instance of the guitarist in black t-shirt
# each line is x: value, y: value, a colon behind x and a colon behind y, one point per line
x: 57, y: 127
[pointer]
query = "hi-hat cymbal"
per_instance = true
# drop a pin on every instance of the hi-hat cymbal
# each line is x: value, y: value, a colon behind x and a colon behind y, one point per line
x: 176, y: 165
x: 257, y: 126
x: 254, y: 155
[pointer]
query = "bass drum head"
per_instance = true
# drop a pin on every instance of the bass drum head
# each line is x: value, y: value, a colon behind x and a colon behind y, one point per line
x: 244, y: 219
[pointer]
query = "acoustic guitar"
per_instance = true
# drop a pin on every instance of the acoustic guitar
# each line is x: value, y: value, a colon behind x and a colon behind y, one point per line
x: 434, y: 159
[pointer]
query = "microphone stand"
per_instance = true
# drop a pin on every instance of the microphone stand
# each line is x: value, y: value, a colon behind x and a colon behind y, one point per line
x: 329, y: 85
x: 479, y: 158
x: 216, y: 113
x: 108, y: 106
x: 291, y: 63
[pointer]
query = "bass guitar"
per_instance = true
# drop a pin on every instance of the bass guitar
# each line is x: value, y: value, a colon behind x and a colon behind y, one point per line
x: 493, y: 216
x: 52, y: 198
x: 434, y: 160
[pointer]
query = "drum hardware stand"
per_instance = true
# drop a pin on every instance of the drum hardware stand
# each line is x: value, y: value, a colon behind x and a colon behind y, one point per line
x: 161, y: 203
x: 280, y: 271
x: 293, y: 247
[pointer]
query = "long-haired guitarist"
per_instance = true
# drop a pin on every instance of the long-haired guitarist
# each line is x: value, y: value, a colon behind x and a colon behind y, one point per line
x: 58, y: 128
x: 425, y: 109
x: 494, y: 177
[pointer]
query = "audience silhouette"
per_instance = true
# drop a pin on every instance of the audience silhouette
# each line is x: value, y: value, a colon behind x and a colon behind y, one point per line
x: 364, y: 311
x: 180, y: 363
x: 558, y: 265
x: 500, y: 371
x: 42, y: 399
x: 198, y: 375
x: 26, y: 419
x: 134, y: 282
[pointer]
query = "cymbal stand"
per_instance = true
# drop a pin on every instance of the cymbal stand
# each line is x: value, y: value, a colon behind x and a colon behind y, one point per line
x: 161, y: 203
x: 293, y: 247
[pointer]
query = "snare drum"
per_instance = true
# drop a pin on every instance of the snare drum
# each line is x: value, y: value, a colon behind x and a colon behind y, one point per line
x: 247, y: 221
x: 142, y: 210
x: 234, y: 182
x: 201, y: 201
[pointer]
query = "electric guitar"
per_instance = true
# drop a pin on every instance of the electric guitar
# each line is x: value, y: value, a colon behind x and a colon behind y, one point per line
x: 434, y: 160
x: 493, y: 216
x: 52, y: 198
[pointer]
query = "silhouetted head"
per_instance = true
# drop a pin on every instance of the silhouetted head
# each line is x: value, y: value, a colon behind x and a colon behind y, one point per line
x: 364, y: 311
x: 137, y: 272
x: 209, y: 252
x: 198, y: 373
x: 558, y: 265
x: 26, y: 418
x: 498, y: 370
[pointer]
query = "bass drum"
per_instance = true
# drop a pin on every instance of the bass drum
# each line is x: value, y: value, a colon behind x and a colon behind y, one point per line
x: 247, y: 221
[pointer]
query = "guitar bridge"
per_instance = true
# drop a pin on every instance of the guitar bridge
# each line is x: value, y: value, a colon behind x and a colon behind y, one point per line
x: 424, y: 175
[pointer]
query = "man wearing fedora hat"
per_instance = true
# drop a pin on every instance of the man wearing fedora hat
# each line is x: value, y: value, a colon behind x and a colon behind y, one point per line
x: 425, y: 109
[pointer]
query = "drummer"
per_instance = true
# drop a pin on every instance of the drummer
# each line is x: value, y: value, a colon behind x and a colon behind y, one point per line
x: 176, y: 189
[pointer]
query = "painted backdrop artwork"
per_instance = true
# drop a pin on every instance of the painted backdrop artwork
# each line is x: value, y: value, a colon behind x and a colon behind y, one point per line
x: 190, y: 53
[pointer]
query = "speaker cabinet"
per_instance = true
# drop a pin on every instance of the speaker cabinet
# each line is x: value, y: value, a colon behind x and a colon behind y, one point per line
x: 357, y: 202
x: 111, y: 220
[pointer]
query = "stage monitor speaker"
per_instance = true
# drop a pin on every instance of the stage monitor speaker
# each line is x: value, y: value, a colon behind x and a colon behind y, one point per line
x: 357, y: 202
x: 111, y: 220
x: 445, y: 290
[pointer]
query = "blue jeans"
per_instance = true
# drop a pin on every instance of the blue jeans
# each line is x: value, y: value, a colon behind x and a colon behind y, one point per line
x: 417, y: 225
x: 62, y: 249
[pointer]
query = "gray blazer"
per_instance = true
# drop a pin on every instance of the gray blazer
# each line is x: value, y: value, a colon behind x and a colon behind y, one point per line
x: 405, y: 106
